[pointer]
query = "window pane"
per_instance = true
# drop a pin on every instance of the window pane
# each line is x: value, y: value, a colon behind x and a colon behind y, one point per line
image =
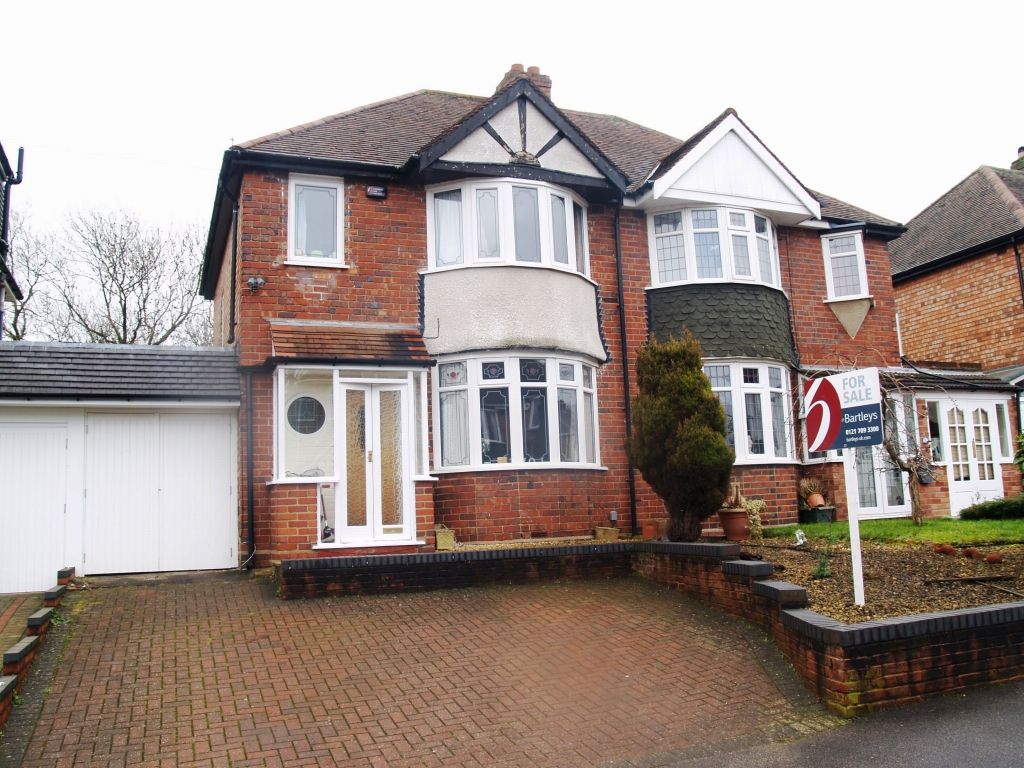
x: 845, y: 275
x: 588, y: 427
x: 725, y: 398
x: 558, y: 231
x: 737, y: 219
x: 764, y: 260
x: 535, y: 424
x: 668, y: 222
x: 983, y: 445
x: 580, y: 223
x: 454, y: 430
x: 316, y: 221
x: 774, y: 377
x: 487, y: 223
x: 894, y: 485
x: 671, y: 258
x: 709, y: 254
x: 448, y: 227
x: 588, y: 377
x: 417, y: 402
x: 451, y: 375
x: 308, y: 423
x: 1004, y: 434
x: 958, y: 444
x: 526, y: 212
x: 866, y: 478
x: 494, y: 430
x: 566, y: 372
x: 761, y: 225
x: 568, y: 428
x: 493, y: 371
x: 935, y: 431
x: 391, y: 461
x: 778, y: 424
x: 355, y: 457
x: 751, y: 376
x: 533, y: 370
x: 741, y: 255
x: 755, y: 423
x: 719, y: 375
x: 705, y: 219
x: 910, y: 422
x: 838, y: 245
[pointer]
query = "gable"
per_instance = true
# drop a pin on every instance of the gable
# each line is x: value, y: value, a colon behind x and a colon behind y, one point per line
x: 730, y: 165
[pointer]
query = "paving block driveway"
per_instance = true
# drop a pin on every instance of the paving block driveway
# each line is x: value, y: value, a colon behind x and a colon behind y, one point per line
x: 217, y: 672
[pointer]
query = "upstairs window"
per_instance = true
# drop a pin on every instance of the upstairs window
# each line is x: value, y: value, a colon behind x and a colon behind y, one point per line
x: 712, y: 244
x: 505, y: 222
x: 845, y: 270
x: 315, y: 220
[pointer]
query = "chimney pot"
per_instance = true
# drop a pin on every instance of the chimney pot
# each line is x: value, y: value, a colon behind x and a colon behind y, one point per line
x: 516, y: 68
x: 1018, y: 164
x: 533, y: 70
x: 516, y: 72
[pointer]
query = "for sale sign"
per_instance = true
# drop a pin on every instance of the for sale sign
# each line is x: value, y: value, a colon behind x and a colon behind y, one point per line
x: 843, y: 411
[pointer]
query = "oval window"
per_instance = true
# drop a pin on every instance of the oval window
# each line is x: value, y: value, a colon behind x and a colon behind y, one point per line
x: 306, y: 415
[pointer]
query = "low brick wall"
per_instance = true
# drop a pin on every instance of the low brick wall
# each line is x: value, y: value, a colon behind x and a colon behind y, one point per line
x: 853, y: 668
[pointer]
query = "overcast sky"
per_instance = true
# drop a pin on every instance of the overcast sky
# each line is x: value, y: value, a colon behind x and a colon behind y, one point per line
x: 130, y: 105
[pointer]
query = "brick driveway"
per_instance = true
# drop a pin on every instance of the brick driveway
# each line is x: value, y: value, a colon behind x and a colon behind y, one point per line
x: 219, y: 673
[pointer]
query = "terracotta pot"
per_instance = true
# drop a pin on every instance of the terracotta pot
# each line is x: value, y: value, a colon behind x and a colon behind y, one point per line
x: 815, y: 500
x: 735, y: 523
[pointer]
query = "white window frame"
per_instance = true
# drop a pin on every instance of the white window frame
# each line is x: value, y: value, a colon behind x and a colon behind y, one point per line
x: 725, y: 232
x: 475, y: 383
x: 739, y: 408
x: 506, y: 226
x: 862, y: 271
x: 333, y: 182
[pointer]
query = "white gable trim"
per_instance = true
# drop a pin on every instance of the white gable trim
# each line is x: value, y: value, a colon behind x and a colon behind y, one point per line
x: 733, y: 123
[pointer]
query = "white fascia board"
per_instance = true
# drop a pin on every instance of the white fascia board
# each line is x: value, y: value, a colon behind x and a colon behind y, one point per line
x: 815, y: 224
x: 732, y: 123
x: 733, y: 201
x: 144, y: 405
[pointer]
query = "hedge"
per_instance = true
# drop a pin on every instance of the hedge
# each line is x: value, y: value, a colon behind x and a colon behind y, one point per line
x: 1010, y: 508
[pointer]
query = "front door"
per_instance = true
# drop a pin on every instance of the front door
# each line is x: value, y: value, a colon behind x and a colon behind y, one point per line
x: 374, y: 498
x: 974, y: 473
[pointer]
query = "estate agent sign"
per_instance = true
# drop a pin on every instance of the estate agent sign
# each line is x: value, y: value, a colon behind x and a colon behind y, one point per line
x: 843, y: 411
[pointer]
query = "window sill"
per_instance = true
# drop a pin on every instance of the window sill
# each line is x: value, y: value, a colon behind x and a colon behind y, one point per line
x: 717, y: 281
x: 369, y: 544
x: 517, y: 467
x: 497, y: 263
x: 302, y: 480
x: 869, y: 297
x: 424, y: 479
x: 321, y: 263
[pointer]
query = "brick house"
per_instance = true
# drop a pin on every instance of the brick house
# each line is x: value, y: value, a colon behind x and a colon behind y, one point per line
x: 960, y: 301
x: 432, y: 298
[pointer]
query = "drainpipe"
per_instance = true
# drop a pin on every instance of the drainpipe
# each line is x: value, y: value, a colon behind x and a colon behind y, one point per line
x: 234, y: 261
x: 5, y: 229
x: 249, y: 486
x: 1020, y: 272
x: 625, y: 361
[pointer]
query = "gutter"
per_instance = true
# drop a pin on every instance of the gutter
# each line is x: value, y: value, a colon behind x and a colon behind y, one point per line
x: 625, y: 362
x: 888, y: 231
x: 957, y: 256
x: 6, y: 277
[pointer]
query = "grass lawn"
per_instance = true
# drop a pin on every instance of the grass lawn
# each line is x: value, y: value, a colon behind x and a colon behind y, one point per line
x: 943, y: 530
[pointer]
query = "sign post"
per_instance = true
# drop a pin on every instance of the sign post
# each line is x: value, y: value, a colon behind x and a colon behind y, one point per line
x: 845, y: 411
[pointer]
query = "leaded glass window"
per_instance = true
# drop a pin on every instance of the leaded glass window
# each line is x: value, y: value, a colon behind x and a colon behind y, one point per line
x: 566, y: 372
x: 568, y: 428
x: 779, y: 424
x: 741, y: 255
x: 725, y: 398
x: 532, y: 370
x: 488, y: 241
x: 535, y: 424
x: 755, y: 423
x: 708, y: 251
x: 718, y: 375
x: 751, y: 376
x: 845, y: 265
x: 495, y: 445
x: 452, y: 374
x: 866, y: 492
x: 559, y: 233
x: 492, y: 371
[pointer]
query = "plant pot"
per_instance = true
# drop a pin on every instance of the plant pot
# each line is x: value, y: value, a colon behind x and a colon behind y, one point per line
x: 606, y: 534
x: 815, y: 500
x: 925, y: 475
x: 735, y: 523
x: 817, y: 514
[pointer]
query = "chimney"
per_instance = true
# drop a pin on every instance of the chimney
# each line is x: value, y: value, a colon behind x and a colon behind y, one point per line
x: 1018, y: 164
x: 541, y: 82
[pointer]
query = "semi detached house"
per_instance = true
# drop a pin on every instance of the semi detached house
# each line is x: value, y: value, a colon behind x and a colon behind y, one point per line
x: 427, y: 312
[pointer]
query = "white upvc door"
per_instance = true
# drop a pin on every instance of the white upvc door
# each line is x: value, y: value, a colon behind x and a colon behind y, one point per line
x: 974, y: 468
x: 374, y: 498
x: 33, y: 503
x: 875, y: 484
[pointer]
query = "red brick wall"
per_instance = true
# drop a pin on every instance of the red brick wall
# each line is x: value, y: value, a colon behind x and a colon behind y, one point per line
x: 969, y: 312
x: 820, y: 337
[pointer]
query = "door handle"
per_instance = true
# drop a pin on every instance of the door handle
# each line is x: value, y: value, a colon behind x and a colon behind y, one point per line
x: 369, y: 456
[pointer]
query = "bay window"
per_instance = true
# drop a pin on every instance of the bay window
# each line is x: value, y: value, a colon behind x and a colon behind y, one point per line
x: 501, y: 412
x: 712, y: 244
x: 315, y: 220
x: 504, y: 222
x: 755, y: 398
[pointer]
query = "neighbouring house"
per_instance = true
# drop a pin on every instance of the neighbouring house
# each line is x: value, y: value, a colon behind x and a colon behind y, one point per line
x: 9, y: 290
x: 960, y: 299
x: 433, y: 298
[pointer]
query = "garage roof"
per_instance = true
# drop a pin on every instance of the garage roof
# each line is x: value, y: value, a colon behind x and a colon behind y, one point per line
x: 115, y: 371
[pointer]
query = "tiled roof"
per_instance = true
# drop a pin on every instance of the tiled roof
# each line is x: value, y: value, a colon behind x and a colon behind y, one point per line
x: 336, y: 342
x: 60, y: 371
x: 729, y: 320
x: 933, y: 377
x: 832, y: 208
x: 986, y: 205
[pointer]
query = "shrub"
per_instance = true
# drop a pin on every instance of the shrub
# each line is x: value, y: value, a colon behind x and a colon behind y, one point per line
x: 678, y: 441
x: 1010, y: 508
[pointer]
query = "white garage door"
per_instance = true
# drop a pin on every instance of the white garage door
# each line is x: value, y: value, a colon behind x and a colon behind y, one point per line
x: 33, y: 472
x: 159, y: 492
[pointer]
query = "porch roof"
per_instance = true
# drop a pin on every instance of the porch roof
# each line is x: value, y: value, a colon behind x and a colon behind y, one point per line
x: 344, y: 342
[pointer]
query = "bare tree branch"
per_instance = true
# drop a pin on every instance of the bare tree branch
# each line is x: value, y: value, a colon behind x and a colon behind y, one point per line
x: 31, y: 259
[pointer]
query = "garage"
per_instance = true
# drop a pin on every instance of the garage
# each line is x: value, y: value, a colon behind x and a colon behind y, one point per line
x: 116, y: 460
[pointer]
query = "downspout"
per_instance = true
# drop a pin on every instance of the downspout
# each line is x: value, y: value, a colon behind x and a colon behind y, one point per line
x: 5, y: 231
x: 625, y: 362
x: 234, y: 261
x: 249, y: 486
x: 1020, y: 271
